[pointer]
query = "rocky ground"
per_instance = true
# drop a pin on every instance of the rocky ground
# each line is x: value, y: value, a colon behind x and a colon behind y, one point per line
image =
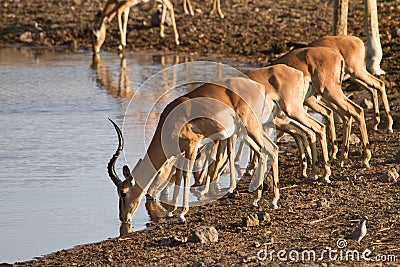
x: 312, y: 216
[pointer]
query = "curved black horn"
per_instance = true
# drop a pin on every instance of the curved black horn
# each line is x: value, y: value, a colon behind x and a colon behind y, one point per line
x: 111, y: 164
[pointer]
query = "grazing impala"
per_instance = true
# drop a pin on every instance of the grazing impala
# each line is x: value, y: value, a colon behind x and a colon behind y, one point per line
x: 353, y: 51
x: 323, y: 67
x: 287, y: 87
x: 290, y: 100
x: 121, y: 8
x: 209, y: 113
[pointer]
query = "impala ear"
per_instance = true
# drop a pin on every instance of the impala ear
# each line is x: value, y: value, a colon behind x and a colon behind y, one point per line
x: 127, y: 173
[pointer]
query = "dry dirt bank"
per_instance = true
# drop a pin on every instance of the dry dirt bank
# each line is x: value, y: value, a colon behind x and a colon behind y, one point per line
x: 253, y: 31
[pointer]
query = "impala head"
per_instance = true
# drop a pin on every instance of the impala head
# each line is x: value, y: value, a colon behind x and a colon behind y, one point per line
x: 129, y: 194
x: 99, y: 32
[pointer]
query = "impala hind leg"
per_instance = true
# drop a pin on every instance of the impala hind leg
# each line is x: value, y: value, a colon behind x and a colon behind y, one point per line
x: 272, y: 149
x: 275, y: 176
x: 311, y: 136
x: 298, y: 113
x: 300, y: 137
x: 349, y: 109
x: 371, y: 83
x: 219, y: 165
x: 374, y: 96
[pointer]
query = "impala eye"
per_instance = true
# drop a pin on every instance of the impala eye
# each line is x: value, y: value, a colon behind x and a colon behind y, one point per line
x: 123, y: 195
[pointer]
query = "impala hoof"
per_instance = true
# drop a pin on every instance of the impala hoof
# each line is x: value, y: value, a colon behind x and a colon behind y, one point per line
x: 233, y: 194
x: 341, y: 163
x: 334, y: 151
x: 390, y: 124
x: 314, y: 177
x: 274, y: 205
x: 255, y: 203
x: 326, y: 180
x: 182, y: 218
x: 366, y: 165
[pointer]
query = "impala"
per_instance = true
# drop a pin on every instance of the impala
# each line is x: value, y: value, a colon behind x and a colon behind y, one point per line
x: 277, y: 80
x: 209, y: 113
x: 121, y: 8
x: 353, y: 51
x: 287, y: 87
x: 324, y: 67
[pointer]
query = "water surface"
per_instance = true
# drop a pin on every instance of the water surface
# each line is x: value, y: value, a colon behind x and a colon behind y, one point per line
x: 55, y: 142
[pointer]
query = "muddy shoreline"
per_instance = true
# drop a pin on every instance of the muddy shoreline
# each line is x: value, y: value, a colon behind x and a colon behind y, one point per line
x: 251, y: 32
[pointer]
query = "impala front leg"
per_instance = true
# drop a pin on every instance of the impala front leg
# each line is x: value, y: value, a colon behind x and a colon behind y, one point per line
x: 231, y: 150
x: 187, y: 7
x: 190, y: 157
x: 122, y: 26
x: 217, y: 6
x: 327, y: 113
x: 163, y: 17
x: 177, y: 179
x: 272, y: 150
x: 319, y: 128
x: 269, y: 148
x: 167, y: 5
x: 275, y: 176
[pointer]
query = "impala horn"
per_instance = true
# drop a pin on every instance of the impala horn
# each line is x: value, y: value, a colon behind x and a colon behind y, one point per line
x: 111, y: 164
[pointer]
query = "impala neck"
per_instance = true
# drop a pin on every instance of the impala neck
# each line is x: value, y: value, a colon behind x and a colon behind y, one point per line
x: 148, y: 169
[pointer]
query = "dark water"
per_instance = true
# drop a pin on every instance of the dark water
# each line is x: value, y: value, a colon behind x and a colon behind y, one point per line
x: 55, y: 142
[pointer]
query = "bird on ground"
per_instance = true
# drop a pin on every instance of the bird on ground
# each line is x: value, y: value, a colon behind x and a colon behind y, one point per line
x: 360, y: 231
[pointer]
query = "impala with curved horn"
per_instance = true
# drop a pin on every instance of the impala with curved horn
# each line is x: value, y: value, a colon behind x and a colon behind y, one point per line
x: 213, y: 111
